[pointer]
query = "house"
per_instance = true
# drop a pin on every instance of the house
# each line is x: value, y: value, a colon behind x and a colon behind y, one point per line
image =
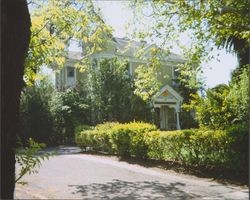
x: 167, y: 101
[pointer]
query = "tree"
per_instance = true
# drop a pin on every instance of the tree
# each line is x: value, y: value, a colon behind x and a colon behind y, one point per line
x: 110, y: 90
x: 111, y: 93
x: 15, y: 41
x: 223, y: 105
x: 54, y: 24
x: 238, y: 97
x: 222, y: 23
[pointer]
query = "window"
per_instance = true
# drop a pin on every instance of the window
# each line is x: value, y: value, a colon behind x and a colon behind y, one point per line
x: 128, y: 68
x: 175, y: 75
x: 94, y: 64
x: 70, y: 72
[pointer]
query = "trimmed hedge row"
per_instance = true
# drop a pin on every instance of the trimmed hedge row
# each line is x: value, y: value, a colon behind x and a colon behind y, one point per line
x: 115, y: 138
x: 203, y: 147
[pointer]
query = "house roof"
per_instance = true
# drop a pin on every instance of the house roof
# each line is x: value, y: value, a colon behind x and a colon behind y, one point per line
x: 128, y: 47
x: 74, y: 55
x: 163, y: 95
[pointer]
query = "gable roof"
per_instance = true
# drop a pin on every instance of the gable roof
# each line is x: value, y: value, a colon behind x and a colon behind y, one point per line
x: 128, y: 47
x: 74, y: 55
x: 165, y: 90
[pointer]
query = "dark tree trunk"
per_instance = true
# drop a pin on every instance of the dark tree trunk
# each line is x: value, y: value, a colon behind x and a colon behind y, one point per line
x: 15, y: 38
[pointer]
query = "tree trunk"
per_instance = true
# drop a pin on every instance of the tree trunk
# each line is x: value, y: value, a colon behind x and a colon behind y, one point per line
x: 15, y: 38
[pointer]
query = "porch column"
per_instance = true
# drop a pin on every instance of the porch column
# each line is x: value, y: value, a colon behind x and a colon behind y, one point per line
x: 177, y: 121
x: 177, y: 110
x: 98, y: 64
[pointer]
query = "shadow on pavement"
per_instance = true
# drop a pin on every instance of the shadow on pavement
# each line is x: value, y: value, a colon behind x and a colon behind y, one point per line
x: 61, y: 150
x: 119, y: 189
x: 220, y: 175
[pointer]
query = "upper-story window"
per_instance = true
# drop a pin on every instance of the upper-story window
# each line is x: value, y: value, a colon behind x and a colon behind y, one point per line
x: 94, y: 64
x: 129, y: 68
x: 175, y: 75
x: 70, y: 72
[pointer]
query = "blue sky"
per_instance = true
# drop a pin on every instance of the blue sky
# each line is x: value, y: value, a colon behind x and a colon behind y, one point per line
x: 116, y: 14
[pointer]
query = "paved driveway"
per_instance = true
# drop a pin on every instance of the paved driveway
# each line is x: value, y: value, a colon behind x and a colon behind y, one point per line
x: 71, y: 175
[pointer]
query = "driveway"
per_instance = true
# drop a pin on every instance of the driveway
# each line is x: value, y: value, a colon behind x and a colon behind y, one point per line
x: 71, y: 175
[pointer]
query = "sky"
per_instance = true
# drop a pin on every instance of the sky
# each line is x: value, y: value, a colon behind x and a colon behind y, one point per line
x: 116, y: 14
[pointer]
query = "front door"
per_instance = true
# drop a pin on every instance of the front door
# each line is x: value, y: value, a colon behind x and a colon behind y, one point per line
x: 163, y: 117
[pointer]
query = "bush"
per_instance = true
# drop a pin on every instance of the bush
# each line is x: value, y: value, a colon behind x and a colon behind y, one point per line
x: 201, y: 147
x: 68, y: 109
x: 239, y: 145
x: 123, y: 139
x: 82, y: 127
x: 35, y: 118
x: 128, y: 139
x: 97, y: 138
x: 223, y: 105
x: 193, y: 146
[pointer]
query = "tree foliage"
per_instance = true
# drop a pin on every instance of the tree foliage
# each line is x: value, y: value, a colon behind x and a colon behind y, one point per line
x: 223, y: 105
x: 146, y: 83
x: 111, y: 94
x: 239, y: 100
x: 35, y: 116
x: 68, y: 109
x: 54, y: 24
x: 224, y: 24
x: 28, y: 160
x: 109, y: 89
x: 49, y: 116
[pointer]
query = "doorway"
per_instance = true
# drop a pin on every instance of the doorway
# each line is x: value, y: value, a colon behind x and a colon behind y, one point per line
x: 164, y: 117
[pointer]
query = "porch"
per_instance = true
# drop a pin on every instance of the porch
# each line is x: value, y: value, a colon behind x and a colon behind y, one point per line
x: 167, y: 103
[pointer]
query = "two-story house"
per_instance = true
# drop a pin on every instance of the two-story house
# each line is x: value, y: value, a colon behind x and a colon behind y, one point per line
x: 167, y: 101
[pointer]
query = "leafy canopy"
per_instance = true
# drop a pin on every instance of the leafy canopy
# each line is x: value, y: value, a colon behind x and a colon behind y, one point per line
x: 54, y: 24
x: 224, y: 24
x: 223, y: 105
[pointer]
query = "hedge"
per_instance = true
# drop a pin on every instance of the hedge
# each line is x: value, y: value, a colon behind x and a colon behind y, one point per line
x: 201, y: 147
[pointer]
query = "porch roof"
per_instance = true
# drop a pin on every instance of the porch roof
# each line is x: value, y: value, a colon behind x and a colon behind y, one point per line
x: 167, y: 95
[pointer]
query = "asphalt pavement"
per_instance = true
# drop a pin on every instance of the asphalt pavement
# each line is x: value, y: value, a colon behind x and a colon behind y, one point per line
x: 73, y: 175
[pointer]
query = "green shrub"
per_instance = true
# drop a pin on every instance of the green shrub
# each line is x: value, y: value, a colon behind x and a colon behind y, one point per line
x: 207, y: 147
x: 68, y: 109
x: 120, y: 139
x: 97, y: 138
x: 193, y: 146
x: 123, y: 139
x: 154, y: 142
x: 201, y: 147
x: 82, y: 127
x: 129, y: 139
x: 239, y: 146
x: 36, y: 120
